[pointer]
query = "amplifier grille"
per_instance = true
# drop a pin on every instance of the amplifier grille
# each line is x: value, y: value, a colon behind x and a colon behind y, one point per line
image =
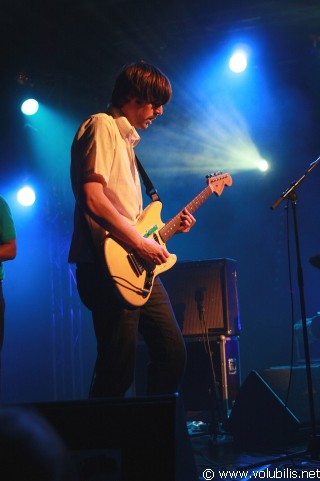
x: 211, y: 284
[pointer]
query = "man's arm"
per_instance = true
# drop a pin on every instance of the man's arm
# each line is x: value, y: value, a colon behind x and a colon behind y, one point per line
x: 97, y: 205
x: 8, y: 250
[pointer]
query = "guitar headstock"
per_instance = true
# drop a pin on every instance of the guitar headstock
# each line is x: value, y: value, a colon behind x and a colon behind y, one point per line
x: 217, y: 181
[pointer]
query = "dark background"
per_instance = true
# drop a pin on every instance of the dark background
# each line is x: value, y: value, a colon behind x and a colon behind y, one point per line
x: 67, y: 54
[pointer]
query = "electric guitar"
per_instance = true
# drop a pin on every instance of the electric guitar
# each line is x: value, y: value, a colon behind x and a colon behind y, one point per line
x: 133, y: 277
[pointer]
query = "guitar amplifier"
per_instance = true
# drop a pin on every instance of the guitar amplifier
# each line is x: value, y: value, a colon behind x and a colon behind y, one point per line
x: 204, y: 296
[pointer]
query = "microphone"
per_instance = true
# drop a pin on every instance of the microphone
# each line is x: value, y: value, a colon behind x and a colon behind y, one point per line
x: 199, y: 298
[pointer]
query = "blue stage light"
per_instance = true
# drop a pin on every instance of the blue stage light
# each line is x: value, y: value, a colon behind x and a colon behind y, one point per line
x: 238, y: 61
x: 26, y: 196
x: 30, y: 107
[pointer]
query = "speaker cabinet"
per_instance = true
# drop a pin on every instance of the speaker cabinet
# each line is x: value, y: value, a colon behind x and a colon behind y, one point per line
x: 265, y: 413
x: 210, y: 285
x: 147, y: 437
x: 212, y: 378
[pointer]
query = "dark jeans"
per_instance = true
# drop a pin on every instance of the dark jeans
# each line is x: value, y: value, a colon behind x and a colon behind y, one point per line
x: 117, y: 329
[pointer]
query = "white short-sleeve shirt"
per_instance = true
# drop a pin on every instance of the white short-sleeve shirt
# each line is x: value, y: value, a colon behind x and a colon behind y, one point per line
x: 102, y: 151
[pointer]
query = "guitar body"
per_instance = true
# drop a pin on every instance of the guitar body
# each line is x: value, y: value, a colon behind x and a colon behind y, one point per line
x: 132, y: 276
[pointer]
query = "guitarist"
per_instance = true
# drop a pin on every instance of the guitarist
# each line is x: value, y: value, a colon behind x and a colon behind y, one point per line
x: 106, y: 185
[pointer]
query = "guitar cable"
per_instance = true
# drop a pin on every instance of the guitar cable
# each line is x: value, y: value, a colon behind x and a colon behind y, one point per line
x: 206, y: 342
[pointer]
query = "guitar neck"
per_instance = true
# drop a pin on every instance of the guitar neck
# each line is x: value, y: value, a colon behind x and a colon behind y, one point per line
x: 172, y: 226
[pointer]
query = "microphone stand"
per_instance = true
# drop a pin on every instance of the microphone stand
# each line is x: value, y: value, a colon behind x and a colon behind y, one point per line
x: 215, y: 410
x: 313, y: 448
x: 314, y: 443
x: 296, y: 184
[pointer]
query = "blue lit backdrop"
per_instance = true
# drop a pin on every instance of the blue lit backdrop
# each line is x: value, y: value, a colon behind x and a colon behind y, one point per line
x: 217, y: 120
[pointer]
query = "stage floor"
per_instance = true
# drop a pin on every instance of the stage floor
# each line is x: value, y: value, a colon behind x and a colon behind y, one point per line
x: 217, y: 457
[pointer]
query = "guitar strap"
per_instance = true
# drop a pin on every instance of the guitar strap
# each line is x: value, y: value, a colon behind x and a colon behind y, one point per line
x: 150, y: 189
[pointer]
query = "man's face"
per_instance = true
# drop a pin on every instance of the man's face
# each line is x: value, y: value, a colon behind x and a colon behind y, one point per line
x: 141, y: 114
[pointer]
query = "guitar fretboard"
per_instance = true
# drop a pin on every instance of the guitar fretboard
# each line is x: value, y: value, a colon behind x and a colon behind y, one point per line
x: 171, y: 227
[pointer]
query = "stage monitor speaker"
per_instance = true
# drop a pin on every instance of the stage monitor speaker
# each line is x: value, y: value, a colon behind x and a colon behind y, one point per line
x: 292, y: 388
x: 208, y: 284
x: 263, y: 416
x: 147, y: 437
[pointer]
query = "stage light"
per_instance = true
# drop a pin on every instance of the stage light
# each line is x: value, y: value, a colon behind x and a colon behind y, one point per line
x: 30, y: 107
x: 26, y: 196
x: 238, y: 61
x: 263, y: 165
